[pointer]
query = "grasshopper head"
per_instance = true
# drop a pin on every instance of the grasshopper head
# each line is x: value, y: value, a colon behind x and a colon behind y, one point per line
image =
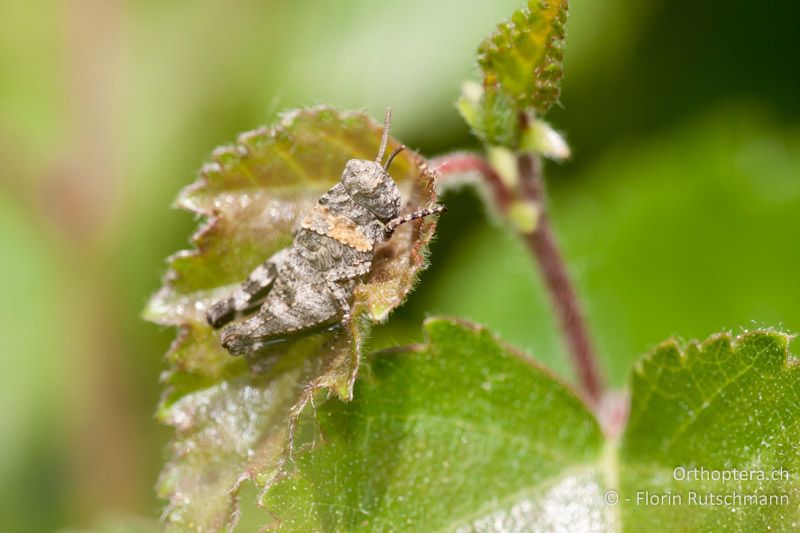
x: 371, y: 186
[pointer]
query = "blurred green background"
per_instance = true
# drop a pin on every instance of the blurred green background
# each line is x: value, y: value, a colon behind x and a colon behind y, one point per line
x: 679, y: 212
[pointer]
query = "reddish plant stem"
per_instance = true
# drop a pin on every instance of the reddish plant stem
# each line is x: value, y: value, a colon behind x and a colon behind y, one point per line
x: 543, y: 246
x: 466, y: 162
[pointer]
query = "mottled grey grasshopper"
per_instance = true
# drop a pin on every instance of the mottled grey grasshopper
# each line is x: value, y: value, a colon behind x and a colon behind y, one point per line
x: 310, y: 284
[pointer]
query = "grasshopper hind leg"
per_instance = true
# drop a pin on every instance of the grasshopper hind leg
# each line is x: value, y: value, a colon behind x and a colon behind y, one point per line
x: 250, y: 294
x: 293, y: 307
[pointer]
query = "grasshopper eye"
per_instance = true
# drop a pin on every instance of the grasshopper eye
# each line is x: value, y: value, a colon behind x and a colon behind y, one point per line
x: 361, y: 195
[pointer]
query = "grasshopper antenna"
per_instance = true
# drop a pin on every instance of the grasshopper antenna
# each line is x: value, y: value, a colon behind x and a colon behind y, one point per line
x: 393, y: 155
x: 387, y: 122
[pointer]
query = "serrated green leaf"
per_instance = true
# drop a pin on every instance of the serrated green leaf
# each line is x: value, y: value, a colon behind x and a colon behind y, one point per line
x: 728, y: 403
x: 491, y: 115
x: 522, y: 69
x: 524, y: 55
x: 461, y: 432
x: 232, y: 415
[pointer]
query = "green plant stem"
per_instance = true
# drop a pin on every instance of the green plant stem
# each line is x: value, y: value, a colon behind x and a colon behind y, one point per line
x: 543, y: 246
